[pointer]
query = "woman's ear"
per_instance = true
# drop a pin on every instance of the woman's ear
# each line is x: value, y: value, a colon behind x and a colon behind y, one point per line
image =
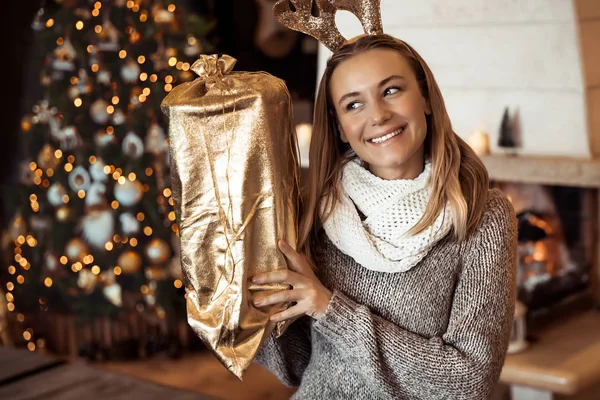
x: 427, y: 107
x: 342, y: 134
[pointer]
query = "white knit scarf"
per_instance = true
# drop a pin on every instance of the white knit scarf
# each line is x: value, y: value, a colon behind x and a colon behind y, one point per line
x: 392, y: 208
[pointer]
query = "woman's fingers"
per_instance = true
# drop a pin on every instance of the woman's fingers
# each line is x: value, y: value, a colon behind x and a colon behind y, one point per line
x: 297, y: 261
x: 287, y: 314
x: 278, y: 276
x: 284, y: 296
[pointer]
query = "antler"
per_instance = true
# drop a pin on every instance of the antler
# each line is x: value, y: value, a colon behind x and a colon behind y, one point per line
x: 322, y: 28
x: 367, y: 11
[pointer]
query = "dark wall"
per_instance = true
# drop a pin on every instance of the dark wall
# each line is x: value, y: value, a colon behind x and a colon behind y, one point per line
x: 15, y: 44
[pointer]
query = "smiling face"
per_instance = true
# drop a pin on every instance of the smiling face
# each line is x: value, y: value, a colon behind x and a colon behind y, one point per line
x: 381, y: 112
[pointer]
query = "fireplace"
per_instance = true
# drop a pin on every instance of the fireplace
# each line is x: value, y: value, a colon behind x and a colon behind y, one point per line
x: 555, y: 253
x: 557, y: 206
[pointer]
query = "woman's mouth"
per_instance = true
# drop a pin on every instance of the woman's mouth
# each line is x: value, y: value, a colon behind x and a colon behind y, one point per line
x: 388, y: 136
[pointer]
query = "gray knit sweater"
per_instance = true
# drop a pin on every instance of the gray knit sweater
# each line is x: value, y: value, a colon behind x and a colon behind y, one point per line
x: 438, y: 331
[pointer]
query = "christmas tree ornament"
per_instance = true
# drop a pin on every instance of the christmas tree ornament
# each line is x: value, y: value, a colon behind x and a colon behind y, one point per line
x: 86, y: 280
x: 98, y: 111
x: 73, y: 92
x: 162, y: 16
x: 130, y: 72
x: 129, y: 224
x: 103, y: 76
x: 18, y: 227
x: 67, y: 137
x: 108, y: 38
x: 157, y: 251
x: 132, y: 145
x: 63, y: 213
x: 95, y: 195
x: 64, y: 56
x: 192, y: 47
x: 128, y: 193
x: 156, y: 140
x: 97, y: 226
x: 134, y: 36
x: 130, y: 262
x: 79, y: 179
x: 113, y: 293
x: 155, y: 273
x: 42, y: 112
x: 108, y: 277
x: 46, y: 158
x: 52, y: 264
x: 83, y: 82
x: 56, y: 193
x: 118, y: 117
x: 38, y: 24
x: 97, y: 171
x: 75, y: 250
x: 103, y: 139
x: 26, y: 175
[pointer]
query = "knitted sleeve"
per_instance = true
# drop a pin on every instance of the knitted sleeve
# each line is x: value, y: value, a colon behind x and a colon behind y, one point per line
x: 287, y: 357
x: 465, y: 361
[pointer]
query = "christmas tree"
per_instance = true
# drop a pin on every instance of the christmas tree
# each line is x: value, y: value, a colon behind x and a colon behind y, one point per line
x: 93, y: 227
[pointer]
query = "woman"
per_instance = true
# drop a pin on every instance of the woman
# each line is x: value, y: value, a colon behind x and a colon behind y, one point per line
x: 413, y: 290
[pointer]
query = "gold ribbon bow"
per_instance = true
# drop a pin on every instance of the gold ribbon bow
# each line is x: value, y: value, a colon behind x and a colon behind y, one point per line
x: 211, y: 68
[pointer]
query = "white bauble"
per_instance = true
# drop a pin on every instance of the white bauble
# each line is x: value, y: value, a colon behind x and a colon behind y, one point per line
x: 26, y: 175
x: 98, y: 111
x: 129, y: 224
x: 162, y: 16
x: 79, y: 179
x: 97, y: 171
x: 52, y: 263
x: 132, y: 145
x: 68, y: 137
x: 103, y: 139
x: 128, y: 193
x: 130, y: 72
x: 73, y: 92
x: 192, y: 47
x: 103, y: 77
x: 118, y: 117
x: 114, y: 294
x: 98, y: 227
x: 156, y: 142
x: 55, y: 194
x: 86, y: 280
x: 96, y: 194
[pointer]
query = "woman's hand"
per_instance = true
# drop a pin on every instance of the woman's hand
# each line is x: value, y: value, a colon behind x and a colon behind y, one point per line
x: 309, y: 294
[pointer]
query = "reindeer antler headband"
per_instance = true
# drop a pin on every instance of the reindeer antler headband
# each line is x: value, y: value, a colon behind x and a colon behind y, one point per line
x: 323, y: 28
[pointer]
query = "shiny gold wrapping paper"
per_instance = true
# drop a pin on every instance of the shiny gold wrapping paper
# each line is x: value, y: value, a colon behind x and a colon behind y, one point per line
x: 234, y: 175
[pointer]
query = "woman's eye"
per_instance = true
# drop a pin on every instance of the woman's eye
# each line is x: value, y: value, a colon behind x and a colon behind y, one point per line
x: 352, y: 106
x: 392, y: 90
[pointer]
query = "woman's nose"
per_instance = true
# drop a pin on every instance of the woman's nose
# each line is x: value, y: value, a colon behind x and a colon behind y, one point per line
x: 380, y: 113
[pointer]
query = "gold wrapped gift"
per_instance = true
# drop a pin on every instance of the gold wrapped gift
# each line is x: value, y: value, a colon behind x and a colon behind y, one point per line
x: 234, y: 176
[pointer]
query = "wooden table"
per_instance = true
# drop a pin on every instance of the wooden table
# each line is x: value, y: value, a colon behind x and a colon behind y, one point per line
x: 26, y: 375
x: 563, y: 361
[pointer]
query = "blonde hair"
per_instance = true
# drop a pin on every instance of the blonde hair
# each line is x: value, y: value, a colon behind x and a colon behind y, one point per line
x: 458, y: 176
